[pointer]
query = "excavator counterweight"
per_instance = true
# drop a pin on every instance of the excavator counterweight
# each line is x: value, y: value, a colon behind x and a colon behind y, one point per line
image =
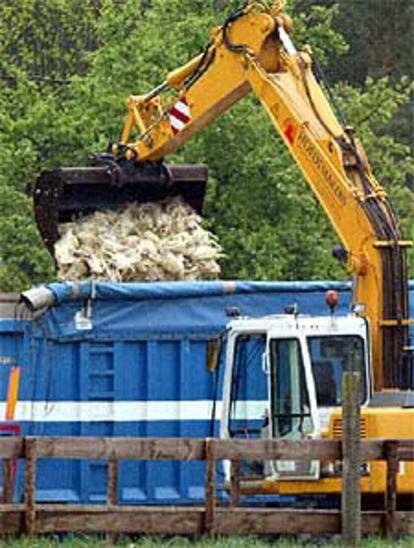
x: 65, y: 194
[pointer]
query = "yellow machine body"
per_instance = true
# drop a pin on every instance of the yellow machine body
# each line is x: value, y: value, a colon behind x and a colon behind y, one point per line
x: 376, y: 423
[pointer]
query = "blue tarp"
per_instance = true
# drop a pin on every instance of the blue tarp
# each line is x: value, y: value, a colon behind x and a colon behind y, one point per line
x: 177, y: 290
x: 150, y: 310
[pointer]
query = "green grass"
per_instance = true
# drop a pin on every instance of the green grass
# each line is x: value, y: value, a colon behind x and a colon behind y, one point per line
x: 178, y: 542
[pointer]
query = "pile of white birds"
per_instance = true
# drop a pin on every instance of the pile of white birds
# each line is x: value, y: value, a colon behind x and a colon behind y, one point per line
x: 161, y: 241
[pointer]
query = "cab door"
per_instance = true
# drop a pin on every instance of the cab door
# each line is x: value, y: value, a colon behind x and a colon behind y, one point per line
x: 245, y: 396
x: 293, y: 410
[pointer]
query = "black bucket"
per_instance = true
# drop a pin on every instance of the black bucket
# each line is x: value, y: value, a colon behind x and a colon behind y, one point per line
x: 65, y: 194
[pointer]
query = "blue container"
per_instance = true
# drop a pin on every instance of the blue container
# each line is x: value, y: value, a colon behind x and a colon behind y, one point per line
x: 129, y: 360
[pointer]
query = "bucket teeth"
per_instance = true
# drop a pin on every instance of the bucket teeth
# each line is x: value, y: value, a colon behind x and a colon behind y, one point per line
x: 64, y: 194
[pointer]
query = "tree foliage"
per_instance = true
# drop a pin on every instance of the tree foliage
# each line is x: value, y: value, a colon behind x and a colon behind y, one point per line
x: 67, y: 68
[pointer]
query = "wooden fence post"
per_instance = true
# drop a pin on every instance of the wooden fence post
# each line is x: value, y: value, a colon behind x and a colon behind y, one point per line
x: 30, y: 485
x: 112, y: 483
x: 234, y: 482
x: 391, y: 452
x: 351, y: 490
x: 210, y: 487
x: 8, y: 481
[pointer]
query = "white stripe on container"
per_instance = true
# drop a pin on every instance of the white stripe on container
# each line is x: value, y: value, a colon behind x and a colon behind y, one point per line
x: 124, y: 411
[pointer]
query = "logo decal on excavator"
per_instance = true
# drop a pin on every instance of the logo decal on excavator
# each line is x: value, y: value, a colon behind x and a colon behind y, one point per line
x: 319, y: 163
x: 179, y: 115
x: 290, y: 130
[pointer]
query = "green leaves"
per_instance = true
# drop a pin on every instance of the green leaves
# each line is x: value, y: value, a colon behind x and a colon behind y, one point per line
x: 23, y: 259
x: 48, y: 39
x: 315, y: 27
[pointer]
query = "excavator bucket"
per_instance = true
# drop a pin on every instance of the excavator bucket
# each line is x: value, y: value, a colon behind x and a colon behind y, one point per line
x: 65, y: 194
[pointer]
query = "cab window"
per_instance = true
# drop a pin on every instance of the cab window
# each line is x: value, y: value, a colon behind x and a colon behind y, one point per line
x: 330, y: 357
x: 249, y: 387
x: 289, y: 394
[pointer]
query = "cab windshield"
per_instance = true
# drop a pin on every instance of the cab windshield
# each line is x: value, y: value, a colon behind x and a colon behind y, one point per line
x: 330, y: 357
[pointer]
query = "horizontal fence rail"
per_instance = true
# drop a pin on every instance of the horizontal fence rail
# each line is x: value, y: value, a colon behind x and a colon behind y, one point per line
x: 212, y: 519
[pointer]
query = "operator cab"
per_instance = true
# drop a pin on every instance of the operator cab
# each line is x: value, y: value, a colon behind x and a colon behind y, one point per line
x: 282, y: 379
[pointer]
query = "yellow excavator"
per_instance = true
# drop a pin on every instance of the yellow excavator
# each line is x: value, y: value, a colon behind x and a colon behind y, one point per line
x: 252, y: 52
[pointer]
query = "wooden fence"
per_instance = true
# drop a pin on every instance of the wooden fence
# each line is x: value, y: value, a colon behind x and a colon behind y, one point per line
x: 211, y: 518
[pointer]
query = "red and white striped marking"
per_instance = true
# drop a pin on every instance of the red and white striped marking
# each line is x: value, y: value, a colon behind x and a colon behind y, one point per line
x: 179, y: 115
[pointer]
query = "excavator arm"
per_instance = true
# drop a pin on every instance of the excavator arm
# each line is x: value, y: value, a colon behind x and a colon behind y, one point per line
x: 252, y: 52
